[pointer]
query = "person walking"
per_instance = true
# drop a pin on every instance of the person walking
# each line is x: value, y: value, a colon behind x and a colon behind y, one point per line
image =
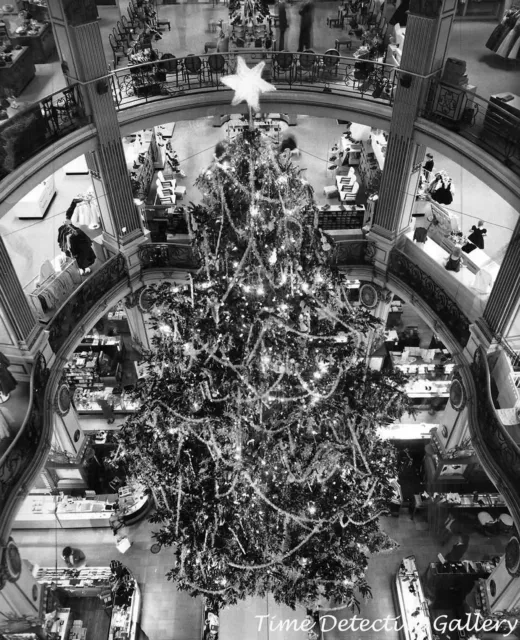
x: 283, y: 24
x: 74, y: 558
x: 307, y: 17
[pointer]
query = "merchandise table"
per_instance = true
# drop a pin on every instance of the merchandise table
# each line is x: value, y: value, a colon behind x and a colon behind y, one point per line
x: 17, y: 74
x: 41, y: 43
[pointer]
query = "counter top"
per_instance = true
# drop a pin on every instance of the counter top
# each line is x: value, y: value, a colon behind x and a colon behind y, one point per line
x: 412, y: 603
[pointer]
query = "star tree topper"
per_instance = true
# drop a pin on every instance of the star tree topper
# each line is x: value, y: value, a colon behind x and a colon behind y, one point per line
x: 248, y: 84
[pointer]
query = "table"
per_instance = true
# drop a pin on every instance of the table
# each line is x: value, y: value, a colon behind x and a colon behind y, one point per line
x: 17, y: 74
x: 41, y: 44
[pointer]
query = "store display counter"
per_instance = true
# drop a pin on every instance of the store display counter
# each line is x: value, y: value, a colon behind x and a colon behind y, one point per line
x: 17, y: 74
x: 40, y: 41
x: 36, y: 203
x: 412, y: 602
x: 124, y: 621
x: 62, y: 624
x: 86, y: 582
x: 48, y: 512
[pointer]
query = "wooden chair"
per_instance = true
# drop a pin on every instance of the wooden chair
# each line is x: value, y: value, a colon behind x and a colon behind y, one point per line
x: 192, y: 67
x: 216, y: 66
x: 330, y: 62
x: 307, y: 62
x: 117, y: 49
x: 283, y: 63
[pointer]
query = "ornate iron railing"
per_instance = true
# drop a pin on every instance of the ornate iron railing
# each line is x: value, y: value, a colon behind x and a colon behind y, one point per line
x: 489, y: 430
x: 354, y: 252
x: 38, y: 126
x: 490, y: 124
x: 172, y: 255
x: 167, y: 255
x: 85, y: 298
x: 364, y: 79
x: 22, y: 450
x: 432, y: 293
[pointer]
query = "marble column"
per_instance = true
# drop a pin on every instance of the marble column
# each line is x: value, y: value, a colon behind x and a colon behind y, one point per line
x: 78, y: 36
x: 427, y: 35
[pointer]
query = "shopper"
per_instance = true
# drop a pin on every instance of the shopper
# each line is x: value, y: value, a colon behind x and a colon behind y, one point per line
x: 307, y: 17
x: 74, y: 558
x: 283, y: 24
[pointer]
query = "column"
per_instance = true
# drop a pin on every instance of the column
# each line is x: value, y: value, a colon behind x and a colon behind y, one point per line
x: 137, y: 319
x: 502, y: 312
x: 18, y: 325
x: 427, y: 34
x: 81, y: 50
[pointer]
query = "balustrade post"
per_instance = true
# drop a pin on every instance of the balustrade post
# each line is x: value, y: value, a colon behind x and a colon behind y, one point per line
x: 427, y: 34
x: 81, y: 50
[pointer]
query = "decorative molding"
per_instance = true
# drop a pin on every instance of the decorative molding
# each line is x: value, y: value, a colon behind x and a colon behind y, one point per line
x: 62, y: 399
x: 513, y: 557
x: 458, y: 395
x: 369, y: 295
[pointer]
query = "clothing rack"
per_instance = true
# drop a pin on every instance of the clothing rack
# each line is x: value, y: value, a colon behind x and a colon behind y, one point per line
x: 48, y: 295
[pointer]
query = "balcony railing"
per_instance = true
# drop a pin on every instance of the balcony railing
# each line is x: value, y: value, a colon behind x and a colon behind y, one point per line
x: 167, y: 255
x: 84, y: 299
x: 38, y: 126
x: 490, y: 431
x: 490, y: 124
x: 18, y: 457
x: 147, y: 82
x: 432, y: 293
x: 175, y: 255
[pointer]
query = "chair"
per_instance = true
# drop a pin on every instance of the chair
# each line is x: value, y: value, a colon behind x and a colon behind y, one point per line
x: 180, y: 192
x: 283, y: 63
x: 117, y: 49
x: 333, y: 21
x: 307, y: 62
x: 129, y: 29
x: 343, y: 41
x: 192, y: 67
x: 216, y: 66
x: 165, y: 184
x: 487, y: 524
x: 170, y: 64
x: 166, y: 191
x: 210, y: 45
x: 162, y: 23
x: 330, y: 62
x: 331, y: 192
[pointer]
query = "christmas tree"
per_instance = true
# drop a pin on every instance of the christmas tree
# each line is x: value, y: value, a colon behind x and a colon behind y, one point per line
x: 258, y: 429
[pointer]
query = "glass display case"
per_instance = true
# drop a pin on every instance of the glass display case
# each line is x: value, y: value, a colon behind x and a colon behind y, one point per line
x: 412, y: 602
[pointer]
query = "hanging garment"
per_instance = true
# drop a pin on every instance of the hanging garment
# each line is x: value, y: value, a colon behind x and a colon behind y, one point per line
x: 508, y: 42
x: 501, y: 30
x: 7, y: 380
x: 441, y: 189
x: 80, y: 247
x: 506, y: 50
